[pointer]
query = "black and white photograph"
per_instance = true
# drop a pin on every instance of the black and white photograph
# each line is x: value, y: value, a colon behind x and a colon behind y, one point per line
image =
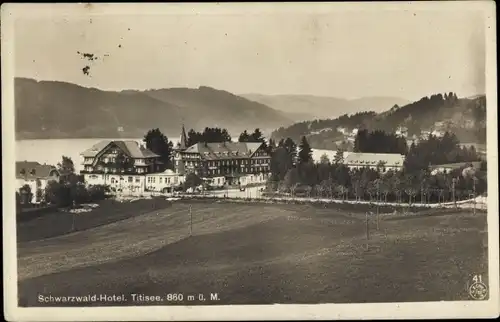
x: 262, y: 161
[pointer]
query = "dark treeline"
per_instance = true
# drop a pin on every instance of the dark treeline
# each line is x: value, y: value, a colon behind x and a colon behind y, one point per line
x: 379, y: 142
x: 209, y: 134
x: 256, y: 136
x: 438, y: 150
x: 158, y: 143
x: 293, y: 171
x: 419, y: 156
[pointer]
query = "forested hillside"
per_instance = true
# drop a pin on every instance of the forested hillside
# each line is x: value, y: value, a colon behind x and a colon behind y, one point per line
x: 465, y: 117
x: 50, y: 109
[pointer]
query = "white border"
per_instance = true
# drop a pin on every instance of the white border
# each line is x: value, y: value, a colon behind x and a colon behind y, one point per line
x: 415, y: 310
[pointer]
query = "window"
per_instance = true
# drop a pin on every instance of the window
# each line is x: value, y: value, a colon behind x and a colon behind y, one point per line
x: 130, y: 179
x: 137, y: 180
x: 161, y: 180
x: 112, y: 180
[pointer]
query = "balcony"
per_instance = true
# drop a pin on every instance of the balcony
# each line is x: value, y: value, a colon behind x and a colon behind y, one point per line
x: 87, y: 162
x: 260, y: 165
x: 91, y: 171
x: 140, y: 162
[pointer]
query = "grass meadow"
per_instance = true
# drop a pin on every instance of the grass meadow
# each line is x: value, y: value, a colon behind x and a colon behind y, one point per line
x: 256, y: 254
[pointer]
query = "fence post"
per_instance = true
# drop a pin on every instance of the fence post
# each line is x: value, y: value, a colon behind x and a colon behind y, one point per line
x: 453, y: 181
x: 474, y: 193
x: 367, y: 231
x: 378, y: 201
x: 190, y: 221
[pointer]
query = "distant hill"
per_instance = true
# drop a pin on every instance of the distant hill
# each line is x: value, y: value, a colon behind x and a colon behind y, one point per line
x: 309, y: 107
x: 50, y: 109
x: 466, y: 117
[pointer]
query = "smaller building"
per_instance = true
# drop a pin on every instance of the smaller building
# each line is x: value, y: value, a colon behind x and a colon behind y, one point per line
x: 36, y: 176
x: 377, y: 161
x: 343, y: 130
x: 446, y: 168
x: 402, y: 131
x: 252, y: 179
x: 438, y: 133
x: 424, y: 135
x: 164, y: 182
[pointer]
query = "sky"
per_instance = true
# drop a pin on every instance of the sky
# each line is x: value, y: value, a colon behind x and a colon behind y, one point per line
x: 348, y: 54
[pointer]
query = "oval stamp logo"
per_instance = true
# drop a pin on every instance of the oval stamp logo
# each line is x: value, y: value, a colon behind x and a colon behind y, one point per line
x: 478, y: 291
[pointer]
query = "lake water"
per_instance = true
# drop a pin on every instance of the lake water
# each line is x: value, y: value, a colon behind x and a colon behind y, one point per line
x: 51, y: 151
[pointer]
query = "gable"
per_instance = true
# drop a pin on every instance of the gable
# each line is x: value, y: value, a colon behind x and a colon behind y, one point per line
x: 33, y: 170
x: 256, y: 148
x: 112, y: 145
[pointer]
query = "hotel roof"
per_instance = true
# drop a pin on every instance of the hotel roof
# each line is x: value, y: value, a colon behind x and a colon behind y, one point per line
x: 224, y: 150
x: 130, y: 148
x: 30, y: 170
x: 372, y: 159
x: 475, y: 164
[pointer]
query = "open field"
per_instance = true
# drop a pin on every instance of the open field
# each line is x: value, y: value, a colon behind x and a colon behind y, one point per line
x: 56, y: 223
x: 260, y: 254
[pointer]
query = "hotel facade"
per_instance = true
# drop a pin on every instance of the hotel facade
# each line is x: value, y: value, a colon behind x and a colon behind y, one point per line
x: 219, y: 164
x: 224, y: 162
x: 140, y: 169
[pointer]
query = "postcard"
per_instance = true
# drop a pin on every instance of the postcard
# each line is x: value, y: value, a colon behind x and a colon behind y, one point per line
x: 250, y: 161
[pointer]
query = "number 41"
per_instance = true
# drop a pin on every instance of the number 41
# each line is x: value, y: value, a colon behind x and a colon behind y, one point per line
x: 477, y: 279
